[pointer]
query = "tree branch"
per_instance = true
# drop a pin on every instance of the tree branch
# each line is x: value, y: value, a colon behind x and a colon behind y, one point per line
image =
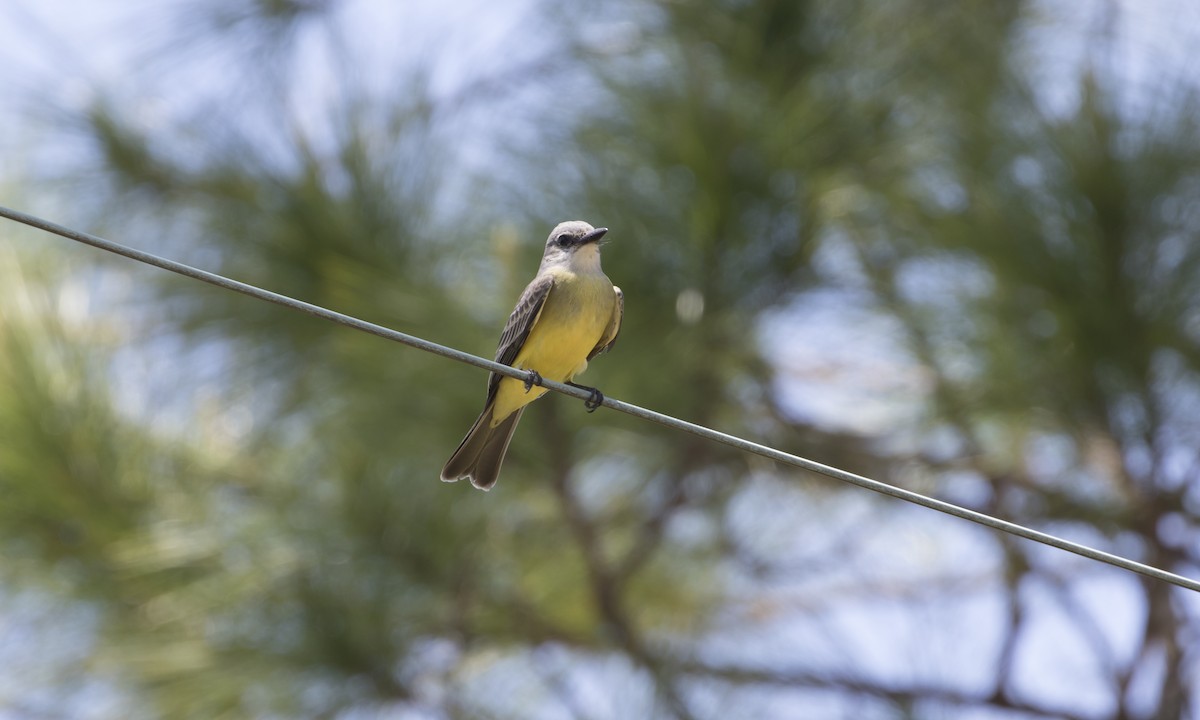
x: 606, y: 589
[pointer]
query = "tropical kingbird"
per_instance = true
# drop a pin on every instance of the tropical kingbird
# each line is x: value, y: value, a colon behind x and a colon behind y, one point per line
x: 569, y: 314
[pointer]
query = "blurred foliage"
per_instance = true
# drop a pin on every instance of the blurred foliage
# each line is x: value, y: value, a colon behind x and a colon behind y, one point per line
x: 265, y: 535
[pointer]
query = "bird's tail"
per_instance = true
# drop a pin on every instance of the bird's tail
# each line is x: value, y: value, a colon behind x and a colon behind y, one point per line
x: 481, y: 452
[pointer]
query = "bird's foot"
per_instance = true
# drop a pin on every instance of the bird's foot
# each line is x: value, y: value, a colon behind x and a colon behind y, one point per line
x: 533, y: 378
x: 595, y: 399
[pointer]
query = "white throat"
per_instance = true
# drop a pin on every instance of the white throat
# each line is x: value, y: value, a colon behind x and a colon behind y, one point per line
x: 585, y: 259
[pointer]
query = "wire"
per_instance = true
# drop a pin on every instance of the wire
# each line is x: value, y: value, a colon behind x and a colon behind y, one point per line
x: 628, y: 408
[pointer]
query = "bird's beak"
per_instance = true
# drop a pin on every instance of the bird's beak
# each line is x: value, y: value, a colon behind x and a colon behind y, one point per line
x: 593, y: 236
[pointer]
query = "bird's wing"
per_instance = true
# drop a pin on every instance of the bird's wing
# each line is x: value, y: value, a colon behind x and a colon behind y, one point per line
x: 520, y: 322
x: 614, y: 326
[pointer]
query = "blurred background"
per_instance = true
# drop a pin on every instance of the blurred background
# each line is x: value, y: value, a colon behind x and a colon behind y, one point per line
x: 951, y: 246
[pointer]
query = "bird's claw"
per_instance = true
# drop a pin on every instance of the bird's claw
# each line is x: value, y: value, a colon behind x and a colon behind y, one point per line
x: 595, y: 400
x: 533, y: 378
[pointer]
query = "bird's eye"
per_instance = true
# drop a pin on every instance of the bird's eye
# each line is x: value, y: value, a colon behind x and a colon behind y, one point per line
x: 563, y: 239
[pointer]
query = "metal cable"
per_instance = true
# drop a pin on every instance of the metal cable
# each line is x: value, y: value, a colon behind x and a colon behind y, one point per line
x: 628, y: 408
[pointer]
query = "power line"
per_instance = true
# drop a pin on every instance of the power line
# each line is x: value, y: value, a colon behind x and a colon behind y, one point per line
x: 628, y: 408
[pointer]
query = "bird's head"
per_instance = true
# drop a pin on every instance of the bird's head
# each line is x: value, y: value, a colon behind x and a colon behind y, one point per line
x: 574, y: 242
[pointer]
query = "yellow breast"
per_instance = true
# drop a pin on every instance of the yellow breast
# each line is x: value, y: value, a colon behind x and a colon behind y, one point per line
x: 573, y: 320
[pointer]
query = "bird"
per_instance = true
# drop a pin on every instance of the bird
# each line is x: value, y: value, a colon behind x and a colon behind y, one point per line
x: 568, y: 314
